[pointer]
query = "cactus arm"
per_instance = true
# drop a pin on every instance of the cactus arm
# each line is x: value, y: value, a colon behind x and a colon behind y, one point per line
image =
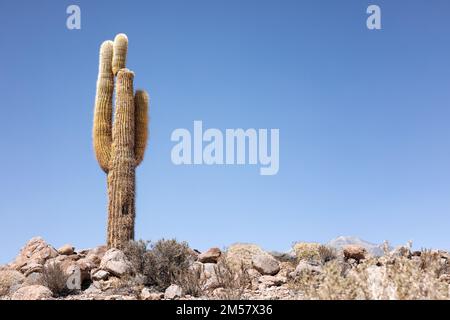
x: 141, y: 101
x: 120, y: 52
x: 102, y: 128
x: 121, y: 177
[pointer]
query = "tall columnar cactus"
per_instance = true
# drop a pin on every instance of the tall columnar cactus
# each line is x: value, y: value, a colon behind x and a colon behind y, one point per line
x: 120, y: 144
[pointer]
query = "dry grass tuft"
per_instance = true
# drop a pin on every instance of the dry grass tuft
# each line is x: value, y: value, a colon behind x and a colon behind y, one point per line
x: 54, y: 278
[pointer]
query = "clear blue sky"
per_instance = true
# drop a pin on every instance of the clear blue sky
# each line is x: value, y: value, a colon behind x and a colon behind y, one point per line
x: 363, y: 117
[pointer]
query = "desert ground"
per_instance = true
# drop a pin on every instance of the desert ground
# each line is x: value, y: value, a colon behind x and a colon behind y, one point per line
x: 346, y: 268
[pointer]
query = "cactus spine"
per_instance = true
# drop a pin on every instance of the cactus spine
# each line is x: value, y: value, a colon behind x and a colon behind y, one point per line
x: 119, y: 145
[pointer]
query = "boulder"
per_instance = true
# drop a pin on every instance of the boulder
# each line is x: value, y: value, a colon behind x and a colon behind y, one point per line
x: 303, y: 266
x: 266, y: 264
x: 34, y: 278
x: 100, y: 275
x: 85, y: 266
x: 35, y: 252
x: 77, y: 270
x: 241, y: 255
x: 96, y: 255
x: 284, y: 256
x: 173, y: 292
x: 10, y: 281
x: 66, y: 250
x: 115, y: 262
x: 210, y: 256
x: 31, y: 267
x: 33, y: 292
x: 92, y: 290
x: 355, y: 252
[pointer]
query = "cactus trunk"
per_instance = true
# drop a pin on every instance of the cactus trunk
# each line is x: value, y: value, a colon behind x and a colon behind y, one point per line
x: 119, y: 145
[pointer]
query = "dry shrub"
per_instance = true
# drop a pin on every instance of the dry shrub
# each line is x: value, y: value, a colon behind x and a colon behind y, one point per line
x: 192, y: 281
x: 415, y: 281
x: 162, y: 263
x: 433, y: 261
x: 332, y: 284
x: 232, y: 282
x: 387, y: 277
x: 169, y: 262
x: 307, y: 251
x: 54, y: 278
x: 136, y: 254
x: 326, y: 253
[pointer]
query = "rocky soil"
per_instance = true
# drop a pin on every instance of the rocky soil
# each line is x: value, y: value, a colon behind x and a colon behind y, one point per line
x: 242, y: 271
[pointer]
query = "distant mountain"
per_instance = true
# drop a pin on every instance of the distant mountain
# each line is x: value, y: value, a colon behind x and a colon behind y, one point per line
x: 340, y: 242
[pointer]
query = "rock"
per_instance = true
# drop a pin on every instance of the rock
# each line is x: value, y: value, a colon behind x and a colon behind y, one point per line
x: 34, y: 292
x: 265, y: 264
x: 77, y: 269
x: 272, y: 281
x: 241, y: 255
x: 172, y: 292
x: 210, y: 256
x: 36, y: 251
x: 307, y: 251
x: 311, y: 266
x: 63, y: 260
x: 10, y: 281
x: 208, y: 269
x: 111, y: 282
x: 92, y: 289
x: 31, y: 268
x: 284, y: 256
x: 355, y: 252
x: 75, y: 277
x: 115, y: 262
x: 85, y: 266
x: 33, y: 278
x: 100, y: 275
x: 96, y: 255
x: 146, y: 294
x: 66, y: 250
